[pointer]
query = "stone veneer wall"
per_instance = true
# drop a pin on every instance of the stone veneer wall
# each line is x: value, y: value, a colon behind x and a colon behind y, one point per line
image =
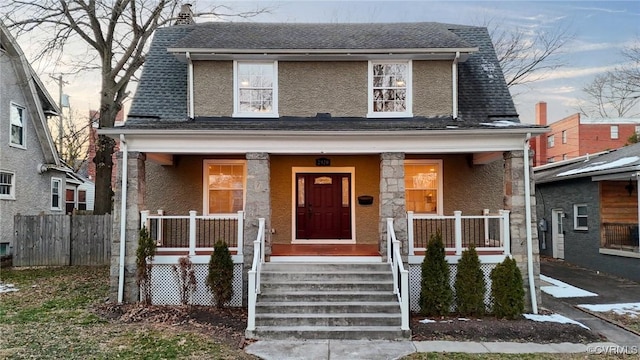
x: 392, y: 199
x: 514, y: 200
x: 258, y: 194
x: 135, y: 203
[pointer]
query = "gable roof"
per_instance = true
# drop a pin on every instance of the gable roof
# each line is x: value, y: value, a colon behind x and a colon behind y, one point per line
x: 621, y: 164
x: 161, y: 96
x: 38, y: 99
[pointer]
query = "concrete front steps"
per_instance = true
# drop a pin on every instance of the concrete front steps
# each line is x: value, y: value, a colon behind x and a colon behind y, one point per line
x: 327, y: 301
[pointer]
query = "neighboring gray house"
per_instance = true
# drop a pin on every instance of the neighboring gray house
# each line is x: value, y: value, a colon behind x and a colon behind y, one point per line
x: 32, y: 180
x: 336, y: 136
x: 590, y: 208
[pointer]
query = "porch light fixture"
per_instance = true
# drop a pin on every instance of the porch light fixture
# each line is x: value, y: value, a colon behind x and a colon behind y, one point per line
x: 629, y: 187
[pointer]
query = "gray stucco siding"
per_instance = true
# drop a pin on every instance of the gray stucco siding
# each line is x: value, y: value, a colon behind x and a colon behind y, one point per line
x: 581, y: 247
x: 213, y: 88
x: 432, y: 88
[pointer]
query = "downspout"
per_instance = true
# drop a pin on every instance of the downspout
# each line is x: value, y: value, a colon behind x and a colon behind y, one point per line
x: 123, y: 217
x: 527, y: 212
x: 190, y: 85
x: 454, y: 85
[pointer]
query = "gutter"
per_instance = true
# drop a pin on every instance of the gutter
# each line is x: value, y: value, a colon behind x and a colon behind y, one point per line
x: 527, y: 212
x: 123, y: 217
x: 220, y: 51
x: 454, y: 80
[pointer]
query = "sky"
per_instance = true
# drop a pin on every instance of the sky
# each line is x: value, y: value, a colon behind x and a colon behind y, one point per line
x: 601, y: 30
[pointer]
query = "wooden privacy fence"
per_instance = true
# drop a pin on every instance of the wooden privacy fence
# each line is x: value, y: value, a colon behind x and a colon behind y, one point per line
x: 58, y: 240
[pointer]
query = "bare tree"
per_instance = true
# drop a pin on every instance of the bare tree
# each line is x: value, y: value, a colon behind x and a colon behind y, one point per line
x: 75, y: 140
x: 615, y: 93
x: 116, y: 34
x: 526, y: 56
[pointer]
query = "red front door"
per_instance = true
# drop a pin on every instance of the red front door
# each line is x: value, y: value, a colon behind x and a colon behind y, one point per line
x: 323, y: 206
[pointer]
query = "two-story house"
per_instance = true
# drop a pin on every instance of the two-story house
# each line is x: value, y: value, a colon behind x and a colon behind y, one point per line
x: 32, y: 178
x: 336, y: 135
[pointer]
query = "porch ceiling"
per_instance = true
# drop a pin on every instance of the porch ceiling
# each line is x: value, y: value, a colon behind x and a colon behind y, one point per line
x: 323, y: 142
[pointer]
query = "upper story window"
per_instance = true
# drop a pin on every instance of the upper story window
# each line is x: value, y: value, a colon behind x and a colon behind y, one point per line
x: 551, y: 160
x: 564, y: 136
x: 17, y: 130
x: 551, y: 141
x: 7, y: 185
x: 423, y: 186
x: 614, y: 132
x: 56, y: 192
x: 224, y: 182
x: 255, y: 89
x: 390, y: 89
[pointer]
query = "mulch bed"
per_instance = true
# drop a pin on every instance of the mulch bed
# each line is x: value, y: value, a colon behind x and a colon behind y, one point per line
x: 227, y: 325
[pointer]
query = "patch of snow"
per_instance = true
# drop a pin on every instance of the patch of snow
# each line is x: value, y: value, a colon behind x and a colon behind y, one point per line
x: 559, y: 289
x: 553, y: 318
x: 601, y: 166
x: 632, y: 309
x: 427, y: 321
x: 5, y: 288
x: 501, y: 123
x: 488, y: 68
x: 463, y: 319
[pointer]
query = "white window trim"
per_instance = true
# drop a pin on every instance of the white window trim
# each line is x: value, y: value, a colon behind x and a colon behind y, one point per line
x: 564, y: 136
x: 409, y: 98
x: 236, y: 99
x: 61, y: 198
x: 551, y: 141
x: 438, y: 163
x: 24, y: 127
x: 12, y: 193
x: 575, y: 217
x: 616, y: 132
x: 205, y: 182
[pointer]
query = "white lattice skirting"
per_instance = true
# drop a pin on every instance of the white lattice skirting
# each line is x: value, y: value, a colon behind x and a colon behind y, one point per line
x: 165, y: 285
x: 415, y: 277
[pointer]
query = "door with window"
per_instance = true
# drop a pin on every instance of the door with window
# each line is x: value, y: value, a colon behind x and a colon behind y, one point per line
x: 557, y: 233
x: 323, y: 206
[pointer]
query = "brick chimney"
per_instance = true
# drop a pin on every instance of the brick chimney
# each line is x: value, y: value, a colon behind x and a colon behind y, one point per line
x: 541, y: 140
x: 185, y: 16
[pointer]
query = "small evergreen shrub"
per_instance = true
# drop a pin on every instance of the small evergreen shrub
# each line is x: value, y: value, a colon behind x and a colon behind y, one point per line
x: 435, y: 293
x: 507, y: 290
x: 186, y: 276
x: 144, y: 254
x: 470, y: 285
x: 220, y: 277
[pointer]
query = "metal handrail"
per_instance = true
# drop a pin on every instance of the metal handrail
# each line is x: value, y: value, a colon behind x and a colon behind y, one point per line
x: 254, y: 275
x: 401, y: 285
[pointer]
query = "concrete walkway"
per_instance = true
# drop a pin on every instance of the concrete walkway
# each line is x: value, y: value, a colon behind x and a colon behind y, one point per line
x: 383, y: 350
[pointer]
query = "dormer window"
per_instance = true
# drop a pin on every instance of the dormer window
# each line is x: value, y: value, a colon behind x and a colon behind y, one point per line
x: 390, y: 89
x: 255, y: 89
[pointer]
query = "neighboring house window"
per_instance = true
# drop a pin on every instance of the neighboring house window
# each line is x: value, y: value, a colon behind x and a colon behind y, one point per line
x: 551, y: 160
x: 564, y: 136
x: 255, y: 89
x: 580, y: 217
x: 551, y: 141
x: 56, y: 189
x: 564, y: 157
x: 17, y: 137
x: 70, y: 200
x: 390, y: 89
x: 82, y: 199
x: 423, y: 186
x: 224, y: 182
x: 614, y: 132
x: 7, y: 185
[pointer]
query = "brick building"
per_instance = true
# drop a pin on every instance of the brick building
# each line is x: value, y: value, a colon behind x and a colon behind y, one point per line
x: 576, y: 135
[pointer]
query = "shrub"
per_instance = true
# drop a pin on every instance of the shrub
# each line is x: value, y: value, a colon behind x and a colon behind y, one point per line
x: 470, y: 285
x: 435, y: 292
x: 220, y: 277
x: 144, y: 254
x: 186, y: 276
x: 507, y: 290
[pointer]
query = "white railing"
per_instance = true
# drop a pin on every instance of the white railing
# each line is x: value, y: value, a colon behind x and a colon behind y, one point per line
x: 489, y: 233
x: 175, y: 233
x: 400, y: 275
x: 254, y: 275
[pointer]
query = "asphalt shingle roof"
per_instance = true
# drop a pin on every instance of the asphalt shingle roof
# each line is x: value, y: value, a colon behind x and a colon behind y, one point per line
x: 161, y: 96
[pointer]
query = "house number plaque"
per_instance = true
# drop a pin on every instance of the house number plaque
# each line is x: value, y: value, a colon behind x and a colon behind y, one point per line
x: 323, y: 162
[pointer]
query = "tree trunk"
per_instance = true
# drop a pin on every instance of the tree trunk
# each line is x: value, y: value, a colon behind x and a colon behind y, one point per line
x: 104, y: 153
